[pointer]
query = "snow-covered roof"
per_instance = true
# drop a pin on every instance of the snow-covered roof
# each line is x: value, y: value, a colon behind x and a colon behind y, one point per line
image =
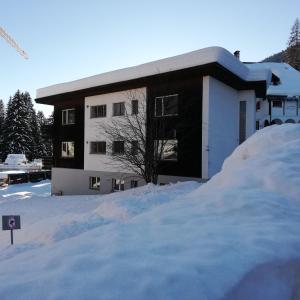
x: 179, y: 62
x: 289, y: 78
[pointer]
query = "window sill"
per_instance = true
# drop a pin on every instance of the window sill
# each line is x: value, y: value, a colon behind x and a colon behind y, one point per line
x: 97, y: 153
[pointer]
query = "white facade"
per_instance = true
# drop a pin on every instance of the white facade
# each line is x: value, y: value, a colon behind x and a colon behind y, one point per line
x: 220, y: 122
x: 283, y: 97
x: 93, y: 130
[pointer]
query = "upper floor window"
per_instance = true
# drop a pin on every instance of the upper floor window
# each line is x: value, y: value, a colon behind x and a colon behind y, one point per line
x: 94, y: 183
x: 98, y: 148
x: 67, y: 149
x: 134, y: 147
x: 118, y: 147
x: 166, y: 105
x: 134, y: 107
x: 277, y: 103
x: 119, y: 109
x: 98, y: 111
x: 68, y: 116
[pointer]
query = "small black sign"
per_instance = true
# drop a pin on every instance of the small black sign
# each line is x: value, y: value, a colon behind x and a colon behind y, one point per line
x: 11, y: 222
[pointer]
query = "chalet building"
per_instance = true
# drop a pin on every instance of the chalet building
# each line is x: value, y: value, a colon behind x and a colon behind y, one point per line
x: 206, y: 99
x: 282, y: 103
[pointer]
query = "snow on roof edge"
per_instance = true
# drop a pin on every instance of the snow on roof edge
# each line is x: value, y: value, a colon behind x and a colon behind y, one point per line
x: 182, y: 61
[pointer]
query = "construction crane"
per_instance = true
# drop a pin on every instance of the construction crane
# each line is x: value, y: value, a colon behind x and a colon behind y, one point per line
x: 12, y: 42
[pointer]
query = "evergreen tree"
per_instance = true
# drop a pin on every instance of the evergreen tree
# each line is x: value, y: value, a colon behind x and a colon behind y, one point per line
x: 292, y: 53
x: 46, y: 130
x: 37, y: 148
x: 2, y: 119
x: 17, y: 131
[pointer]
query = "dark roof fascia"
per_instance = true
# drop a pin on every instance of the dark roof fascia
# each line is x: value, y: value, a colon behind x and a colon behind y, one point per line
x: 212, y: 69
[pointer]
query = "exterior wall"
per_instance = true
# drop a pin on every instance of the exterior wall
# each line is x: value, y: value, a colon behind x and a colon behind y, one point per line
x: 220, y: 124
x: 74, y: 132
x: 290, y: 110
x: 94, y: 132
x: 186, y: 124
x: 76, y: 182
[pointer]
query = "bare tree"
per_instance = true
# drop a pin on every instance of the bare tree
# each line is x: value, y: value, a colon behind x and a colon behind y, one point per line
x: 132, y: 138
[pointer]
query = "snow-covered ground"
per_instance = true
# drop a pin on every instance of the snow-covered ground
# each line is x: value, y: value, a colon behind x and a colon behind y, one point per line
x: 235, y: 237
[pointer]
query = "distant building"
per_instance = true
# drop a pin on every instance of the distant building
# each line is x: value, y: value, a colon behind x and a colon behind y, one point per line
x: 207, y: 98
x: 282, y: 104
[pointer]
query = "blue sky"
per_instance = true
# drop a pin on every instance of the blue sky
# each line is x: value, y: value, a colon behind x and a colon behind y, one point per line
x: 72, y: 39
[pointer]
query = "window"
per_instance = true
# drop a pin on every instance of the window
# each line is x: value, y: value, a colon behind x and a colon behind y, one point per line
x: 134, y: 107
x: 242, y: 121
x: 67, y: 149
x: 168, y: 149
x: 166, y: 106
x: 95, y: 183
x: 118, y: 184
x: 118, y: 147
x: 257, y: 105
x: 277, y: 103
x: 68, y: 116
x: 134, y: 147
x: 118, y: 109
x: 257, y: 125
x: 98, y: 111
x: 133, y: 184
x: 98, y: 148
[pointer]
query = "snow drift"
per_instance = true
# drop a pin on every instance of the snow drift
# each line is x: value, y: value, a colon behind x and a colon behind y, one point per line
x: 235, y: 237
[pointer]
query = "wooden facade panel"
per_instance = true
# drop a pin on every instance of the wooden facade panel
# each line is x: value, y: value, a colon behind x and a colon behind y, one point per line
x: 187, y: 124
x: 73, y: 132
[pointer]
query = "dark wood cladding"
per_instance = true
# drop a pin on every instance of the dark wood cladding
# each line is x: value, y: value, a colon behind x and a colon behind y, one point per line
x: 187, y: 123
x: 65, y: 133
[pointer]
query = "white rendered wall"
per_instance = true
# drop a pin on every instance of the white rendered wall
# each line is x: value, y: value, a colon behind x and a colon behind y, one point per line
x: 220, y: 122
x: 93, y: 132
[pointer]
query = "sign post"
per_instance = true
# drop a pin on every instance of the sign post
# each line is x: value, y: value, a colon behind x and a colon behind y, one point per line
x: 11, y: 223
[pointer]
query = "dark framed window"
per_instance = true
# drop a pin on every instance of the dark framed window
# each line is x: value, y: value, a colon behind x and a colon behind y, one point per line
x: 98, y: 147
x: 134, y: 107
x: 168, y: 149
x: 94, y: 183
x: 118, y: 184
x: 98, y: 111
x: 277, y: 103
x: 133, y: 184
x: 67, y: 149
x: 166, y: 106
x: 68, y: 116
x: 134, y: 147
x: 119, y: 109
x: 257, y: 125
x: 257, y: 105
x: 118, y: 147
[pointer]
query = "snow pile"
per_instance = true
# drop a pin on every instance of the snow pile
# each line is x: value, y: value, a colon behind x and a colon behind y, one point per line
x: 235, y: 237
x: 289, y: 78
x: 178, y: 62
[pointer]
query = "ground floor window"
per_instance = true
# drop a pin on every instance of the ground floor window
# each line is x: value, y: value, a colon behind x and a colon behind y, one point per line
x: 118, y: 184
x: 133, y: 184
x: 67, y: 149
x: 94, y: 183
x: 168, y: 149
